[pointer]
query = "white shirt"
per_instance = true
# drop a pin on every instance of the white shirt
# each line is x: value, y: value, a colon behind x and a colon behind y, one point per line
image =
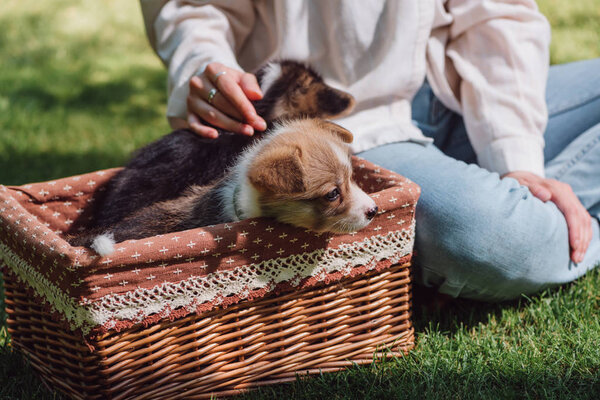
x: 487, y: 60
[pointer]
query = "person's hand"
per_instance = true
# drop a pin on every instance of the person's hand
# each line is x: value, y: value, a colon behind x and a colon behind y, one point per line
x: 221, y: 96
x: 578, y: 219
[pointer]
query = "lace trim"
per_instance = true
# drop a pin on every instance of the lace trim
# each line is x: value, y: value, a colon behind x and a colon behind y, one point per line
x: 137, y: 305
x: 51, y: 294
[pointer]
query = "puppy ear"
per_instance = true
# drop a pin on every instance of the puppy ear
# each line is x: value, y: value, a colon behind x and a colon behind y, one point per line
x: 334, y: 128
x: 334, y: 103
x: 278, y: 170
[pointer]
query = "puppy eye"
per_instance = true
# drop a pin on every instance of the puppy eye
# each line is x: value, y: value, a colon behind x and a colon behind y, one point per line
x: 333, y: 195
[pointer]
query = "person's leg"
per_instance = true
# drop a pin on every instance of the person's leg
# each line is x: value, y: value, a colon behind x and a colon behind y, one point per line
x: 478, y: 236
x: 505, y: 242
x: 578, y: 164
x: 573, y: 99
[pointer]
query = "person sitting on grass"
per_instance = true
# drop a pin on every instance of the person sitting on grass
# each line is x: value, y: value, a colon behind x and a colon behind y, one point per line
x: 455, y: 95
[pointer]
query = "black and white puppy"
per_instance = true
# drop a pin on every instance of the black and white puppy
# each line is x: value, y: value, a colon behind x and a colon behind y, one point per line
x: 165, y: 168
x: 298, y: 173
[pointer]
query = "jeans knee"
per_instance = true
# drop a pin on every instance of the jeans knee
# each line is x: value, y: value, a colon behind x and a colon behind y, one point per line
x: 483, y: 253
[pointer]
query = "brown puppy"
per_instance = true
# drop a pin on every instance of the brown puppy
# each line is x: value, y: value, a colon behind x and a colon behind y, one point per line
x: 300, y: 173
x: 164, y: 169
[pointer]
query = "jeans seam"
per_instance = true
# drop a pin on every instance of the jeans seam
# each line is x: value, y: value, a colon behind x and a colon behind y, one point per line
x: 577, y: 157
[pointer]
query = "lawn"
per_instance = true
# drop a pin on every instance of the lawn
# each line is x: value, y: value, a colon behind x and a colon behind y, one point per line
x: 80, y: 89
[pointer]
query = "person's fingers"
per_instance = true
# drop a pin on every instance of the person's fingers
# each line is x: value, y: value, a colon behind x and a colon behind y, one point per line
x: 570, y: 206
x: 540, y: 191
x: 223, y: 105
x: 590, y: 231
x: 561, y: 194
x: 586, y: 234
x: 537, y: 188
x: 233, y: 92
x: 202, y: 130
x: 230, y: 101
x: 577, y: 252
x: 178, y: 123
x: 227, y: 81
x: 201, y: 87
x: 250, y: 86
x: 198, y: 107
x: 230, y: 88
x: 215, y: 117
x: 570, y: 212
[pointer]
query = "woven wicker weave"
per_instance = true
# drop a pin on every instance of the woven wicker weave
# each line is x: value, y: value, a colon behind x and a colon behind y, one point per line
x: 208, y: 311
x: 250, y: 344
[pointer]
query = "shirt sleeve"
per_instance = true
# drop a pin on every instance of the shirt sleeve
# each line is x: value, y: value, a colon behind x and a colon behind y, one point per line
x: 493, y: 70
x: 188, y: 35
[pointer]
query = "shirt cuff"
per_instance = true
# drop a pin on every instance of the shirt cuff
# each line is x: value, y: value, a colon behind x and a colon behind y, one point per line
x: 514, y: 154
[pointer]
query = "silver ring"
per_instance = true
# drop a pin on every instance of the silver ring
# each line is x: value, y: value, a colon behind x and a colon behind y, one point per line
x: 211, y: 95
x: 218, y: 74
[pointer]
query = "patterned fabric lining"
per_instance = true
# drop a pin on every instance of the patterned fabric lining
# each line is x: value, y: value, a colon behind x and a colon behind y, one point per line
x: 176, y: 274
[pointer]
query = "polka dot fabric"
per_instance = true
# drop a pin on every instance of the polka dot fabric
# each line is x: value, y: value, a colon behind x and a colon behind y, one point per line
x: 169, y: 276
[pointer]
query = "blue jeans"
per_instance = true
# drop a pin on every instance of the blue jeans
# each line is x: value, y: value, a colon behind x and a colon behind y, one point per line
x: 486, y: 238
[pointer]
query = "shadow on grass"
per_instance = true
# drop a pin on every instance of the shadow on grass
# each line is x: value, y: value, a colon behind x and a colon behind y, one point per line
x: 18, y: 379
x: 96, y: 97
x: 18, y: 168
x: 384, y: 381
x: 458, y: 374
x: 89, y: 73
x: 448, y: 315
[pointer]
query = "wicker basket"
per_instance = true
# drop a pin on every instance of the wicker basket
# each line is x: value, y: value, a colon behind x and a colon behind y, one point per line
x: 353, y: 315
x: 258, y: 343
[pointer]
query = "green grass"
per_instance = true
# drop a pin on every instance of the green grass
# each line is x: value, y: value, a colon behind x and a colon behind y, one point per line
x: 546, y: 347
x: 80, y: 89
x: 575, y: 29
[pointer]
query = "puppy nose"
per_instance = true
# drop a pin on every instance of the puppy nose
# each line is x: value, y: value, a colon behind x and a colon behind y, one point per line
x: 371, y: 212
